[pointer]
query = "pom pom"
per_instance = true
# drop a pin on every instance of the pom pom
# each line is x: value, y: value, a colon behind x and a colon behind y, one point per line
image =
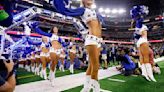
x: 138, y: 11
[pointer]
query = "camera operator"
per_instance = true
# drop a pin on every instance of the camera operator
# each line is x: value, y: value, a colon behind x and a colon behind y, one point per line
x: 7, y: 76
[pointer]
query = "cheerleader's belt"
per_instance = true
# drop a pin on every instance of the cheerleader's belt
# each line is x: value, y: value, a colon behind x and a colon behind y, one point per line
x: 93, y: 40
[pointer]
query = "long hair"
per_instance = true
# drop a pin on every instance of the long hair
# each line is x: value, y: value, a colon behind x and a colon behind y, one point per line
x: 82, y: 3
x: 51, y: 30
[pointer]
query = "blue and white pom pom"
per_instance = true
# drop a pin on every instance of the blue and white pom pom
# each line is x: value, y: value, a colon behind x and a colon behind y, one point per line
x: 138, y: 11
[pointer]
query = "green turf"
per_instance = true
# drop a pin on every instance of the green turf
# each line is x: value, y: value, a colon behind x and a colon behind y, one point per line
x: 26, y: 77
x: 132, y: 84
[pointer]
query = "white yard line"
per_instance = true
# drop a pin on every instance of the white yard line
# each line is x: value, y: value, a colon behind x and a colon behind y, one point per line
x: 102, y: 90
x: 159, y: 59
x: 116, y: 80
x: 63, y: 83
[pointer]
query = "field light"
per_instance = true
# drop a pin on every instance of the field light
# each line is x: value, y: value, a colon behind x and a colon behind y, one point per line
x: 114, y: 11
x: 101, y: 10
x: 120, y: 11
x: 107, y: 11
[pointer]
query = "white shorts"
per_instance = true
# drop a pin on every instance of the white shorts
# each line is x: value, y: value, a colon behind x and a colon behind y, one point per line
x: 73, y: 51
x: 42, y: 54
x: 56, y: 51
x: 37, y: 56
x: 93, y: 40
x: 62, y: 56
x: 104, y: 56
x: 32, y: 58
x: 141, y: 41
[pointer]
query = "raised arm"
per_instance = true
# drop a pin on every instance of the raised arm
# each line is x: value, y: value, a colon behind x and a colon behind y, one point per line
x: 61, y: 8
x: 63, y: 43
x: 38, y: 30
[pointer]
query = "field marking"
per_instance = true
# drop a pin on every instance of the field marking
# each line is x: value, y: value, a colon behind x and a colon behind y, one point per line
x: 102, y: 90
x: 30, y: 75
x: 117, y: 80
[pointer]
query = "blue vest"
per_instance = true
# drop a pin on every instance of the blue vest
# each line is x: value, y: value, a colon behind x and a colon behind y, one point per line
x: 130, y: 65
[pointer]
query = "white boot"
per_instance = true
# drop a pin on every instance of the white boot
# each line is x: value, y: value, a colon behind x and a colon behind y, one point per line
x: 87, y: 84
x: 150, y: 72
x: 41, y: 73
x: 28, y: 68
x: 144, y: 73
x: 95, y: 85
x: 33, y: 69
x: 37, y: 72
x: 62, y: 68
x: 50, y: 74
x: 44, y: 74
x: 71, y: 69
x: 52, y: 79
x: 49, y: 66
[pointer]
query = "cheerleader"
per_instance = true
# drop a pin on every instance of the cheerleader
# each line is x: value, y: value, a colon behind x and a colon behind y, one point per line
x: 32, y: 59
x: 55, y: 50
x: 44, y: 56
x: 140, y: 35
x: 37, y: 61
x: 92, y: 37
x: 72, y: 54
x: 62, y: 59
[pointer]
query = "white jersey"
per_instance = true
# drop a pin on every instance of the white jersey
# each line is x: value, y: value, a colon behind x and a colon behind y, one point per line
x: 140, y: 30
x: 54, y: 37
x: 89, y: 14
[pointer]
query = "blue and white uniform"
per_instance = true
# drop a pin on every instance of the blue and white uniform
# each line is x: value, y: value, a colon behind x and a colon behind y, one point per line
x: 55, y: 38
x: 89, y: 14
x: 72, y: 50
x: 36, y: 52
x: 137, y: 35
x: 47, y: 45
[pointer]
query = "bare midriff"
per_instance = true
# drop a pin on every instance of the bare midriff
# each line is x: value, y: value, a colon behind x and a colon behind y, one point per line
x: 45, y: 50
x: 73, y: 47
x: 94, y: 28
x: 56, y: 45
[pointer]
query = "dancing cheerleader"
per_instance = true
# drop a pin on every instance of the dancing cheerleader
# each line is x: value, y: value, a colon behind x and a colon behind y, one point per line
x: 32, y: 59
x: 92, y: 40
x: 72, y: 54
x: 44, y: 56
x: 37, y: 60
x: 62, y: 59
x: 140, y: 35
x: 55, y: 50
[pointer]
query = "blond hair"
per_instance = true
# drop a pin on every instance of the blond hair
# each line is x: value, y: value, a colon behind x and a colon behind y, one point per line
x: 82, y: 3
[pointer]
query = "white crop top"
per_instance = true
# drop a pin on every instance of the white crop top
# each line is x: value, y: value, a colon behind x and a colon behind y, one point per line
x: 54, y: 38
x: 88, y: 15
x: 140, y: 30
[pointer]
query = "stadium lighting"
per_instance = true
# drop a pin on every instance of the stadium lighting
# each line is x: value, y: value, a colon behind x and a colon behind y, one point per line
x: 78, y: 0
x: 107, y: 11
x: 101, y: 10
x: 120, y: 11
x: 114, y: 11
